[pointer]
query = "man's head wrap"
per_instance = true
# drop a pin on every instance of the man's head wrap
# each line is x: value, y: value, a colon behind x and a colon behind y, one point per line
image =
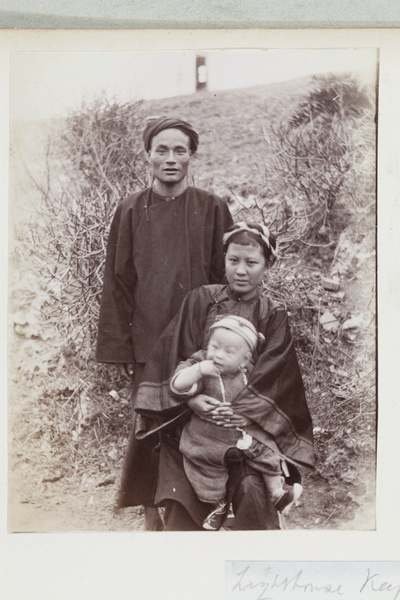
x: 242, y: 327
x: 259, y: 233
x: 156, y: 124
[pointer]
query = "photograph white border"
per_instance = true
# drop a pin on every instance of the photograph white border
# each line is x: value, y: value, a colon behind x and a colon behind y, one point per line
x: 182, y: 565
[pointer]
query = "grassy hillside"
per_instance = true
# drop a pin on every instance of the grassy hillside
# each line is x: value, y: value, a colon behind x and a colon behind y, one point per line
x: 230, y: 127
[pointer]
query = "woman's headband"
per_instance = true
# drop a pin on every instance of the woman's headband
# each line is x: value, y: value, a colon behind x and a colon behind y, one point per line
x: 257, y: 230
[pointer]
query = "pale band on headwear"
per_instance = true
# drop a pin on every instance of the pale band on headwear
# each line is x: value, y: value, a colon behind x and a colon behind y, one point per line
x: 242, y: 327
x: 242, y: 226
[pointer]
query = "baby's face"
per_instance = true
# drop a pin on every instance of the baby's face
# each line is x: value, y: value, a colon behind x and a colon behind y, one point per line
x: 228, y: 350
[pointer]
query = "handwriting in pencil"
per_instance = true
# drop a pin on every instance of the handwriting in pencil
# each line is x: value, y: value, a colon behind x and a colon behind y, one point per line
x: 374, y: 583
x: 272, y: 585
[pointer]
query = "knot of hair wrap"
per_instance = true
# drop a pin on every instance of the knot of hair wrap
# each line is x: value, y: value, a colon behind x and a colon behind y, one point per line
x: 257, y: 230
x: 156, y: 124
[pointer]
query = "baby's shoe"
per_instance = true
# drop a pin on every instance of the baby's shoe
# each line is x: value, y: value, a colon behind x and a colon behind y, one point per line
x: 288, y: 498
x: 216, y: 517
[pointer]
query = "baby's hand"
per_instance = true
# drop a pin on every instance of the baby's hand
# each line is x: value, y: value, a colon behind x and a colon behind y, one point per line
x: 207, y: 367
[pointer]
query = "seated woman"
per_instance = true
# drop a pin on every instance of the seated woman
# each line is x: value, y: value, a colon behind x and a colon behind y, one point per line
x: 273, y: 400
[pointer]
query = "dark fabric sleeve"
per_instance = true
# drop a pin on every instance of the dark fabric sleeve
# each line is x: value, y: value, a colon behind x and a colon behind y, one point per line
x: 274, y: 398
x: 180, y: 340
x: 223, y: 220
x: 114, y: 340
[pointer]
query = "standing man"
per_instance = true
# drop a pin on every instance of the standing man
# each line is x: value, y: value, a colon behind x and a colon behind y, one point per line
x: 164, y: 241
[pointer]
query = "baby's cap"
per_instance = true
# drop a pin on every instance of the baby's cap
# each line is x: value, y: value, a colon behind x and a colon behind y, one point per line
x: 241, y: 326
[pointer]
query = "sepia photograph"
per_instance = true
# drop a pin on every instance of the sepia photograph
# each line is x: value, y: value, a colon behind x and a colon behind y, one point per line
x: 192, y: 287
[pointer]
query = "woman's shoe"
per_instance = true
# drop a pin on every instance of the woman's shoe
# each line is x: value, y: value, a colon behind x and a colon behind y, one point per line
x: 286, y: 501
x: 216, y: 517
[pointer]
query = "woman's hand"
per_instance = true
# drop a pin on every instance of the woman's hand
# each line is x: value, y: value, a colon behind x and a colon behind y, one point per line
x: 219, y: 413
x: 210, y: 409
x: 237, y: 421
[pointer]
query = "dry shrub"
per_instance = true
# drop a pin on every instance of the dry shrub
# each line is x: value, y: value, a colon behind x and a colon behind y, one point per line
x: 319, y: 164
x: 101, y: 146
x: 96, y: 160
x: 339, y: 376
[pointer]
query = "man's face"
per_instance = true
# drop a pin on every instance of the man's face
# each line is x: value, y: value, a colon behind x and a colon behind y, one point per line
x: 169, y: 155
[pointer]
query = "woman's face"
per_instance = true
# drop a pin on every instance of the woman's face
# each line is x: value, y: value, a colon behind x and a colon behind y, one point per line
x: 245, y: 268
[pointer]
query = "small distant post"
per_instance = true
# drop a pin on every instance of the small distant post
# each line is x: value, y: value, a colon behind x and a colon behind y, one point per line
x: 201, y: 73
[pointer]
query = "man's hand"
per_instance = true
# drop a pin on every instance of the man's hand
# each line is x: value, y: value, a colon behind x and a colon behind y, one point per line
x: 126, y: 370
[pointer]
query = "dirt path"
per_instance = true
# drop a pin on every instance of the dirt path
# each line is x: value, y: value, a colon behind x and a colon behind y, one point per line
x: 63, y: 506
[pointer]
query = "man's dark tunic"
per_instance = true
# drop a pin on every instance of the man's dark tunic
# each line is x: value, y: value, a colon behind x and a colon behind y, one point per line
x: 157, y: 251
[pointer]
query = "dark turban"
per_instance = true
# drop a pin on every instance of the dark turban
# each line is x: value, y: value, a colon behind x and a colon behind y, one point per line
x: 156, y: 124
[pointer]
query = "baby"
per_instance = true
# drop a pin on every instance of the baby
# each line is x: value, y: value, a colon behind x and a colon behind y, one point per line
x: 221, y: 372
